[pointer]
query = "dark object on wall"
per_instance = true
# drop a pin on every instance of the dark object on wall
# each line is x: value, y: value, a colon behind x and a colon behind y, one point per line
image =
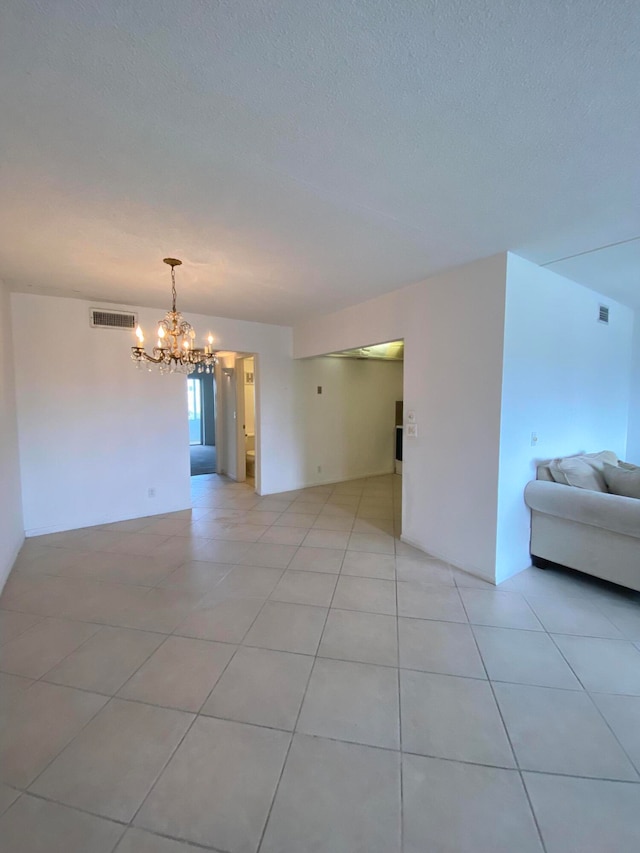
x: 399, y: 444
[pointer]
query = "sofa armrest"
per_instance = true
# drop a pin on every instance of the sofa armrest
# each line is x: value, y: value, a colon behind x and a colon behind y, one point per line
x: 599, y: 509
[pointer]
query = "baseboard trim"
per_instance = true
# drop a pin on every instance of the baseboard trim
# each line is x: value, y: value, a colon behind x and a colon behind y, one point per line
x: 11, y: 563
x: 470, y: 571
x: 311, y: 484
x: 94, y: 522
x: 511, y: 574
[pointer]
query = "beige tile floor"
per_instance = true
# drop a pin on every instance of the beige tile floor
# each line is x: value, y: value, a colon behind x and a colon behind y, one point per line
x: 283, y: 675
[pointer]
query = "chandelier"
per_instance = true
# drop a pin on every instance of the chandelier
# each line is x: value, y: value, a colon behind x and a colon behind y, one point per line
x: 174, y: 352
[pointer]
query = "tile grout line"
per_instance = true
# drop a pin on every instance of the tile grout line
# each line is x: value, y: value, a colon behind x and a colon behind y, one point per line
x: 399, y: 680
x: 67, y: 744
x: 508, y: 736
x: 174, y: 633
x: 238, y: 646
x: 62, y: 659
x: 632, y: 763
x: 125, y: 826
x: 161, y: 771
x: 36, y: 796
x: 400, y: 727
x: 24, y: 630
x: 183, y: 841
x: 295, y: 725
x: 171, y: 570
x: 385, y: 749
x: 321, y: 657
x: 197, y: 715
x: 110, y: 696
x: 102, y: 707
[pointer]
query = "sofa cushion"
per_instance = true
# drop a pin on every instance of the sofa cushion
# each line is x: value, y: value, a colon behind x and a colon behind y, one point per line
x: 584, y: 470
x: 576, y: 471
x: 543, y: 472
x: 599, y: 460
x: 622, y: 480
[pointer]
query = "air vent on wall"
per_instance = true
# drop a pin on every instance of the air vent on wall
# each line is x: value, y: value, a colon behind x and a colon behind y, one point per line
x: 101, y: 319
x: 603, y: 315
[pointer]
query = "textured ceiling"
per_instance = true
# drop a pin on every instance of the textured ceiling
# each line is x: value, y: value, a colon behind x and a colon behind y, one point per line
x: 301, y: 156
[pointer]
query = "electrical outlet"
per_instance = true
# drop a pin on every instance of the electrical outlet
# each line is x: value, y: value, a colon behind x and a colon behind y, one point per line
x: 411, y: 431
x: 151, y: 492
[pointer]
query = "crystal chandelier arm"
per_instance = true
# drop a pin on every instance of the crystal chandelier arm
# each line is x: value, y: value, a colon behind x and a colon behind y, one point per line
x: 139, y: 354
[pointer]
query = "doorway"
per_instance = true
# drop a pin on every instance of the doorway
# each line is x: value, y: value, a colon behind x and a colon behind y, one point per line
x: 222, y: 413
x: 352, y: 424
x: 247, y: 435
x: 202, y: 423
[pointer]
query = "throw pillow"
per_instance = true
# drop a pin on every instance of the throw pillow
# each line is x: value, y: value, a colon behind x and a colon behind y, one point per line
x: 599, y: 460
x: 578, y: 472
x: 622, y: 481
x: 557, y: 475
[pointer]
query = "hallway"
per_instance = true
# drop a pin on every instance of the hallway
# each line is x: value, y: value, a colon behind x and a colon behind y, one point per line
x: 203, y: 459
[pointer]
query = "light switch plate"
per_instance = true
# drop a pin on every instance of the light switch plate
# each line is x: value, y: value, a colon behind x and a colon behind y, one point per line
x: 412, y: 430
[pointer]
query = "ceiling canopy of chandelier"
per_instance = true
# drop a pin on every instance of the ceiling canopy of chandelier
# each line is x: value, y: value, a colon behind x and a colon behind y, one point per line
x: 174, y: 352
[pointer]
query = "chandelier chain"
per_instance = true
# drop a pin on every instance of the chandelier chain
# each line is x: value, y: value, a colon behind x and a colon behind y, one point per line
x: 173, y: 286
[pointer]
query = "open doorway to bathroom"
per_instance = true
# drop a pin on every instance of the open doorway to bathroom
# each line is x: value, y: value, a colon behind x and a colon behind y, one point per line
x: 202, y: 423
x: 248, y: 378
x: 223, y: 419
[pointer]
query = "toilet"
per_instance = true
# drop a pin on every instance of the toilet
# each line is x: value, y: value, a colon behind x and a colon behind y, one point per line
x: 250, y: 444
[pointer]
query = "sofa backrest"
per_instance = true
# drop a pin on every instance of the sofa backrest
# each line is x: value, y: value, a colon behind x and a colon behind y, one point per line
x: 543, y: 471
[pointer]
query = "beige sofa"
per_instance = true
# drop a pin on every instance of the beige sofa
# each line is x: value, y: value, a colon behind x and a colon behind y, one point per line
x: 593, y: 531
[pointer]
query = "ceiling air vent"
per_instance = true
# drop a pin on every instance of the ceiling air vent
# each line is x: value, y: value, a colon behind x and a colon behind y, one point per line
x: 603, y: 315
x: 101, y: 319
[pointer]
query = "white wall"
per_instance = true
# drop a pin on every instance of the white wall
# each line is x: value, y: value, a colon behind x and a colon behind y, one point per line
x: 348, y: 431
x: 95, y: 433
x: 11, y: 523
x: 633, y: 438
x: 566, y: 377
x: 452, y: 325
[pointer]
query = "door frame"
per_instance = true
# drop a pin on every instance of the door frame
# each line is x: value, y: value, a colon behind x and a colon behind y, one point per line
x: 241, y: 443
x: 219, y: 421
